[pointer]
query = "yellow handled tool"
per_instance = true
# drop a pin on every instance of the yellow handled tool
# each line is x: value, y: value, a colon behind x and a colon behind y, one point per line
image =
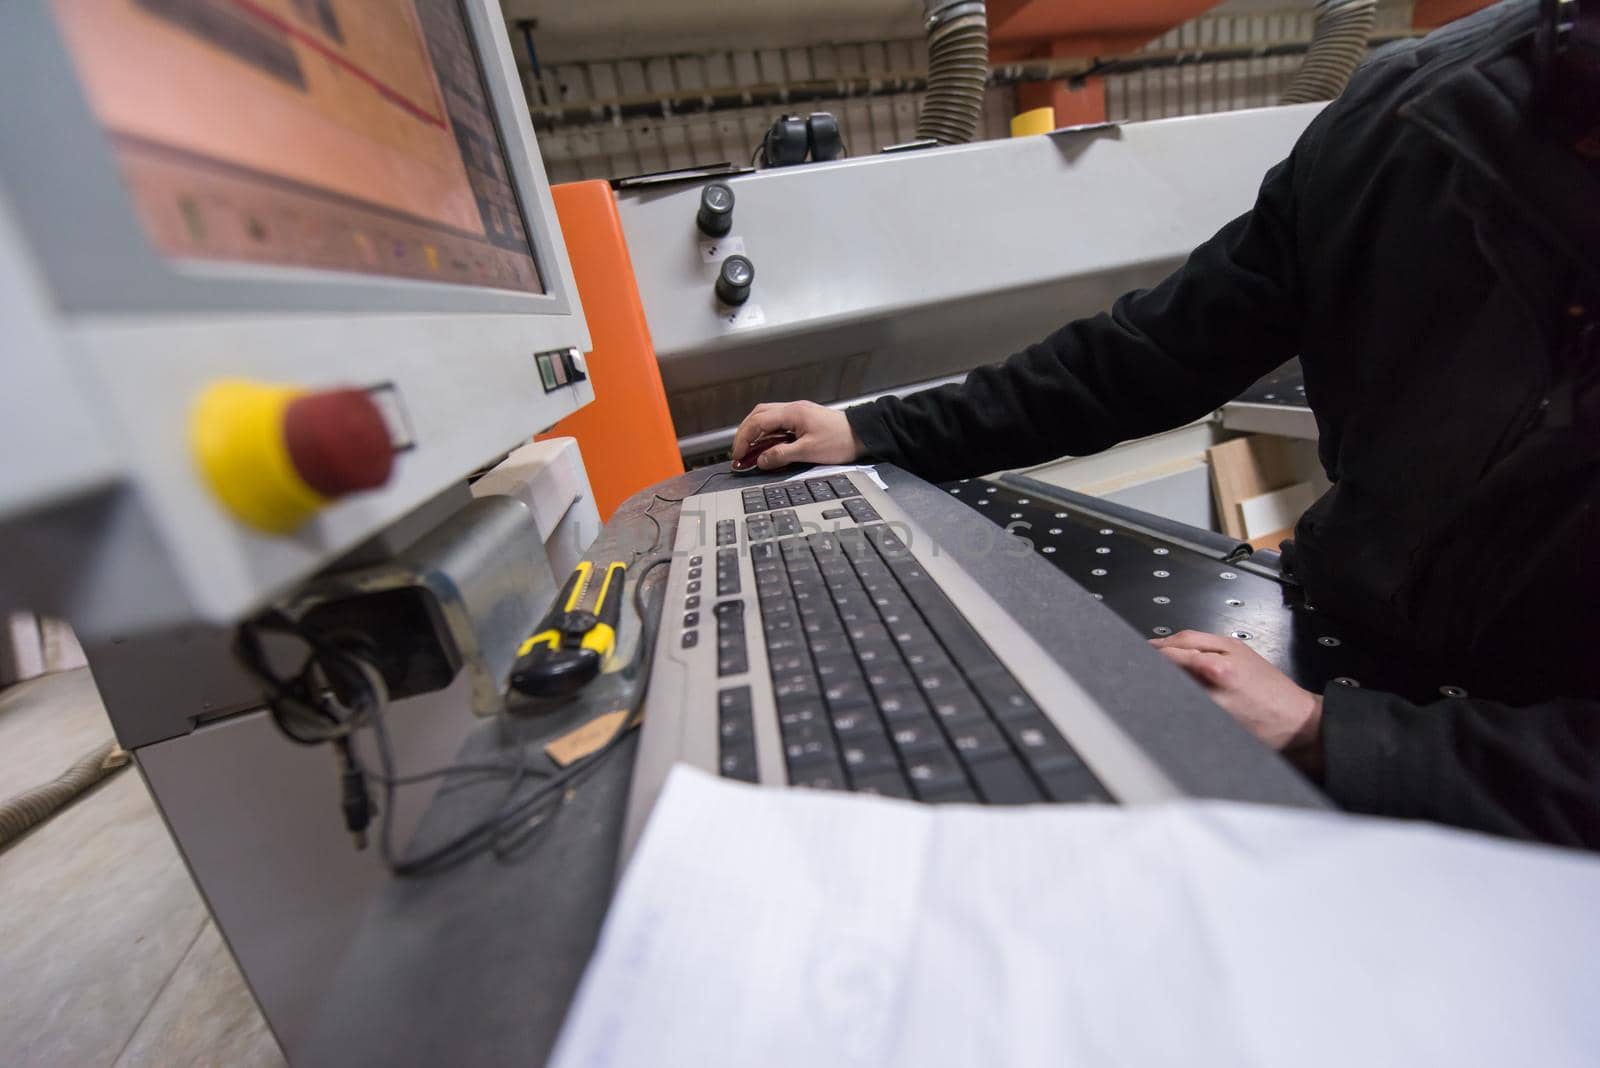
x: 572, y: 644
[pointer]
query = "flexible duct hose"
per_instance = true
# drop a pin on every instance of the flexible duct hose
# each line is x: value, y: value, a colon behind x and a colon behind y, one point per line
x: 958, y: 70
x: 1338, y: 45
x: 32, y: 807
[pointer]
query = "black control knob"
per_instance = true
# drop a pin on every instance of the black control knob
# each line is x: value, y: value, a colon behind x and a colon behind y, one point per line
x: 733, y: 280
x: 716, y: 209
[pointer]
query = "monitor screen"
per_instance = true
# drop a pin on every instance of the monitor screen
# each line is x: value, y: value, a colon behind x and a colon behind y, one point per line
x: 346, y: 135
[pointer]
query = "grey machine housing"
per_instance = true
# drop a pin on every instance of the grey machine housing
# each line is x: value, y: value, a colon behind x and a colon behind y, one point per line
x: 889, y: 272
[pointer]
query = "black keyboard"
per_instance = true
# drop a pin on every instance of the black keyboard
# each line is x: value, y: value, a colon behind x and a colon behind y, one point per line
x: 881, y: 684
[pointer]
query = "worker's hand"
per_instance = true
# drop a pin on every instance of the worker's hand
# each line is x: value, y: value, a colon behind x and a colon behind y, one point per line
x: 1262, y: 698
x: 821, y: 435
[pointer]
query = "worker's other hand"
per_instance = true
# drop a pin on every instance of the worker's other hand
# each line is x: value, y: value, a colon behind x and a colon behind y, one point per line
x: 1262, y: 698
x: 821, y: 435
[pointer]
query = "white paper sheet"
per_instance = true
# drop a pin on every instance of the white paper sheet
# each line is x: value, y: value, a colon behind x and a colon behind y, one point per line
x: 760, y: 927
x: 842, y: 469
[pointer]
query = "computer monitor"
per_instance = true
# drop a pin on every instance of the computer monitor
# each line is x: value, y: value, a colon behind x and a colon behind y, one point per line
x: 308, y: 193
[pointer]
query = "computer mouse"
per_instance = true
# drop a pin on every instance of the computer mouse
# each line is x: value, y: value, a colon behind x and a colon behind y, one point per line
x: 747, y: 462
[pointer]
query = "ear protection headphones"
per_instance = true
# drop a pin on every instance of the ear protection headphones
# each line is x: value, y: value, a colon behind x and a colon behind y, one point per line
x: 791, y: 139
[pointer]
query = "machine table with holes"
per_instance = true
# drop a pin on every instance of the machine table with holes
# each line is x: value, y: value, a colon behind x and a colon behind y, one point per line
x: 477, y: 965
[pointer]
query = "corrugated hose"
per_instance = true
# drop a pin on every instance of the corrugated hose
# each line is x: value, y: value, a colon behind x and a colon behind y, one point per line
x: 1338, y: 45
x: 27, y: 810
x: 958, y: 70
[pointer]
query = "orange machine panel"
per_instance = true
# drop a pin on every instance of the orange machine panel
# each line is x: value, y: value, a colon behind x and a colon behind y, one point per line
x: 626, y: 435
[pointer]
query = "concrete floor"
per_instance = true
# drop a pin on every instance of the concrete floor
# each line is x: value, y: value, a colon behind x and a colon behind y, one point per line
x: 109, y: 956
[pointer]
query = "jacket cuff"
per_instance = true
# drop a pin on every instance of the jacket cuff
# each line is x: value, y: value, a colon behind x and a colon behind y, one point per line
x: 872, y: 430
x: 1362, y: 758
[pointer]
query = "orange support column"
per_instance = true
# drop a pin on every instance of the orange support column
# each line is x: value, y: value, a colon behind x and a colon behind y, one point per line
x: 626, y: 435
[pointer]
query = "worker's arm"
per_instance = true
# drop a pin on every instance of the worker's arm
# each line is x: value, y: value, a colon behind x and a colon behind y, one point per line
x: 1529, y: 772
x: 1158, y: 359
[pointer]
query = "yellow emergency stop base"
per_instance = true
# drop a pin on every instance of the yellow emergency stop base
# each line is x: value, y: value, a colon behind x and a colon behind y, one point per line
x: 236, y: 433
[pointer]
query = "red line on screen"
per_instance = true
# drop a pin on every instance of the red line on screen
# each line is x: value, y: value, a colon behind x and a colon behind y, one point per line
x: 394, y: 96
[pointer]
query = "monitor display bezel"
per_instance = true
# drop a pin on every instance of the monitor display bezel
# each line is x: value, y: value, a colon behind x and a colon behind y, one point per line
x: 61, y: 172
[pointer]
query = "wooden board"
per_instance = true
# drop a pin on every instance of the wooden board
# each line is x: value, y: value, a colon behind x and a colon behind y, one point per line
x: 1247, y: 467
x: 1276, y: 510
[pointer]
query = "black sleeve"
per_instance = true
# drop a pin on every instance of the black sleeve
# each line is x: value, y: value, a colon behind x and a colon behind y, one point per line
x: 1160, y: 358
x: 1529, y: 772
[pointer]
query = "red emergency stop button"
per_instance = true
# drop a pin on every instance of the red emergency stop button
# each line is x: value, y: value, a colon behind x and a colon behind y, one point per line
x: 338, y: 441
x: 274, y: 455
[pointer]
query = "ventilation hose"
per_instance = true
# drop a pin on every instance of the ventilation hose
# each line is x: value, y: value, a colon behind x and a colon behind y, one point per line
x: 1338, y: 45
x: 27, y: 810
x: 958, y: 70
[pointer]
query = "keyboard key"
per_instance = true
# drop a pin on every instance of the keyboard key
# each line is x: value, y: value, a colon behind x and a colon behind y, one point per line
x: 859, y: 510
x: 1004, y: 781
x: 868, y: 752
x: 1040, y: 744
x: 736, y: 663
x: 798, y: 684
x: 799, y: 493
x: 836, y: 666
x: 797, y: 710
x: 902, y: 706
x: 819, y: 776
x: 977, y: 741
x: 736, y: 731
x: 846, y: 690
x: 929, y: 658
x: 828, y: 644
x: 691, y: 638
x: 854, y: 722
x: 726, y: 534
x: 691, y: 602
x: 1005, y: 698
x: 808, y: 743
x: 933, y: 772
x: 691, y: 619
x: 882, y: 783
x: 843, y: 487
x: 739, y: 763
x: 872, y: 653
x: 957, y: 708
x: 1074, y: 785
x: 915, y: 738
x: 888, y: 674
x: 788, y: 663
x: 953, y: 794
x: 763, y: 553
x: 820, y: 490
x: 935, y: 681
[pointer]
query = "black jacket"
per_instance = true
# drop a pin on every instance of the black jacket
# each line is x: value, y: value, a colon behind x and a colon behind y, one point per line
x: 1432, y: 253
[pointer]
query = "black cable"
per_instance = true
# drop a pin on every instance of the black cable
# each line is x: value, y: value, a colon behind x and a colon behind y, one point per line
x: 336, y: 691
